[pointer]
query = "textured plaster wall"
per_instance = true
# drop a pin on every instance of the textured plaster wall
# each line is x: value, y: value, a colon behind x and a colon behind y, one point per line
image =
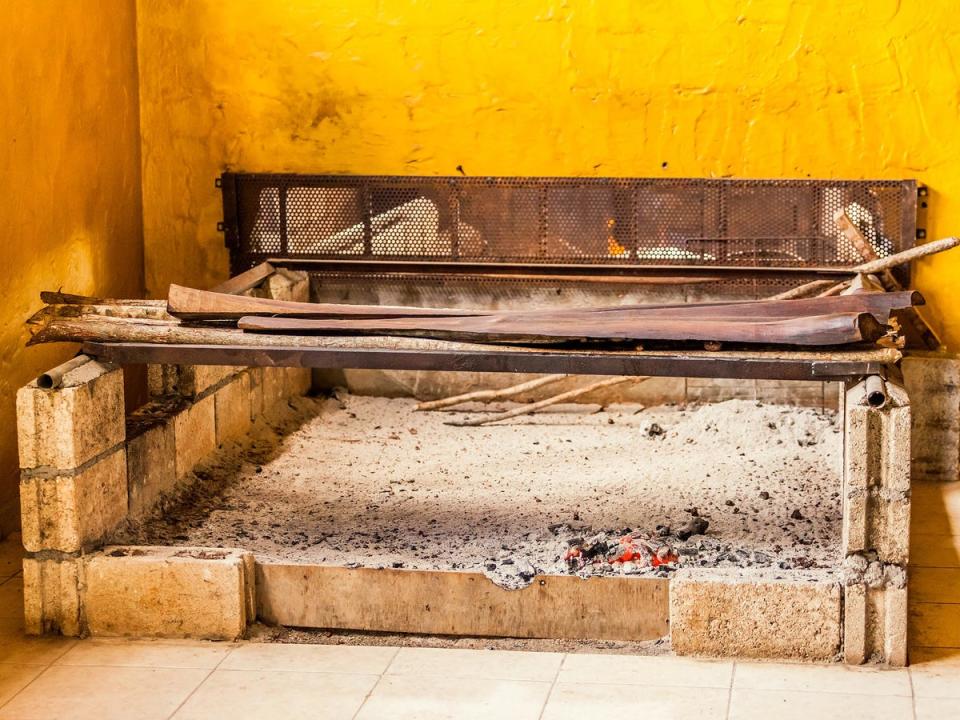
x: 787, y: 88
x: 69, y: 154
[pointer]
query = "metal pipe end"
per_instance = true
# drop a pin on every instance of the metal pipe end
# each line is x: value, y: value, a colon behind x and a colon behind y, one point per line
x: 876, y: 391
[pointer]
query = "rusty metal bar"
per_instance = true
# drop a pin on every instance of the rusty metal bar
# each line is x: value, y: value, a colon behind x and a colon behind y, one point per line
x: 677, y: 364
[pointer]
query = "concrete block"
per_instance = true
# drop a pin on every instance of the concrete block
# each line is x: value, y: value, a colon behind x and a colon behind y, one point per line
x: 232, y: 407
x: 70, y: 512
x: 51, y: 596
x: 299, y: 381
x: 169, y: 592
x: 875, y: 625
x: 195, y: 434
x: 151, y: 467
x: 69, y: 425
x: 163, y: 380
x: 876, y: 476
x: 255, y: 382
x: 197, y: 379
x: 933, y: 382
x: 759, y: 614
x: 189, y: 381
x: 274, y: 391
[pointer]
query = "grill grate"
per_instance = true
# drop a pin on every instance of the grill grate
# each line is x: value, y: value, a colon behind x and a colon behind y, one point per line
x: 778, y: 225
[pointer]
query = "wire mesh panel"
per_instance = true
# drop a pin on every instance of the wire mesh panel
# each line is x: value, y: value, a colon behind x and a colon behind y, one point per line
x: 467, y: 223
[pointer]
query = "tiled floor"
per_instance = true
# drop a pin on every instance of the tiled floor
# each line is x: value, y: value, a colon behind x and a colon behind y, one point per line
x: 55, y: 678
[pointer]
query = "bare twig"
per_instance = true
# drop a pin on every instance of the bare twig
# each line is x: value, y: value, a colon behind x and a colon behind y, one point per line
x: 487, y: 395
x: 533, y: 407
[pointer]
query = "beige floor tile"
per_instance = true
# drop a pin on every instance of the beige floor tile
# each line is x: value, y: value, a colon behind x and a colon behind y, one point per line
x: 939, y: 679
x: 259, y: 695
x: 787, y: 705
x: 408, y: 697
x: 11, y: 598
x: 937, y: 708
x: 570, y: 701
x: 79, y: 693
x: 664, y: 670
x: 310, y: 658
x: 821, y: 678
x: 147, y: 653
x: 23, y: 650
x: 14, y: 678
x: 488, y: 664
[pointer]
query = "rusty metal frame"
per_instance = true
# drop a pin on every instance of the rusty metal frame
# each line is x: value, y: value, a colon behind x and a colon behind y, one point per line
x: 752, y: 366
x: 737, y: 229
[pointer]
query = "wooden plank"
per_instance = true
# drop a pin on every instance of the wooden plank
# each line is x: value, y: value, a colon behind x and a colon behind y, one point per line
x: 820, y: 330
x: 934, y: 624
x: 934, y: 585
x: 935, y: 508
x: 189, y: 303
x: 245, y: 280
x: 461, y: 603
x: 934, y: 550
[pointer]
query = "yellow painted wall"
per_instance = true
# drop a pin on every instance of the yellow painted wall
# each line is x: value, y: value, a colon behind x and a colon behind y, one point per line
x: 70, y: 212
x: 781, y: 88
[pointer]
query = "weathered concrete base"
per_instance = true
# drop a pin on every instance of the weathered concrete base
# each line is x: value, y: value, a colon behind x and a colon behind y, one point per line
x: 168, y: 592
x: 876, y: 525
x: 461, y: 603
x: 875, y: 625
x: 762, y: 614
x: 71, y: 510
x: 51, y: 593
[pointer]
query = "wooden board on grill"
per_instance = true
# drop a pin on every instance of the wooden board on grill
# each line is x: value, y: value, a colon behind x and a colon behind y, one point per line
x: 188, y: 303
x: 545, y: 327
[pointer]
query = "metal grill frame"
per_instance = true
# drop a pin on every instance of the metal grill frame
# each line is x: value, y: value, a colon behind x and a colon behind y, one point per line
x: 238, y: 188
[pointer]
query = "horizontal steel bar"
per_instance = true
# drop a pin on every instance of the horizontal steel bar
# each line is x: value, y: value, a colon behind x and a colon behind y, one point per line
x: 495, y: 360
x: 420, y: 267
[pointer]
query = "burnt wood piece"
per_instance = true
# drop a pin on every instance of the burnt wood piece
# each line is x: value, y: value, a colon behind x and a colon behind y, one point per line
x: 419, y: 354
x: 245, y: 280
x: 816, y: 330
x: 191, y: 304
x: 61, y: 298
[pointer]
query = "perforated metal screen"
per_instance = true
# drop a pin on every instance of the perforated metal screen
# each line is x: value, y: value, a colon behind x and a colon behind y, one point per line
x: 396, y: 222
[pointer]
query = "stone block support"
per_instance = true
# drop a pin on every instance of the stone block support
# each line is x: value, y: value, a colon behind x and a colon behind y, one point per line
x: 876, y: 521
x: 51, y: 595
x: 66, y: 426
x: 170, y: 592
x: 73, y: 476
x: 755, y: 614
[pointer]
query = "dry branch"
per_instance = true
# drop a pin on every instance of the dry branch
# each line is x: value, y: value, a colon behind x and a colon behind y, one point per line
x: 540, y: 404
x: 488, y: 395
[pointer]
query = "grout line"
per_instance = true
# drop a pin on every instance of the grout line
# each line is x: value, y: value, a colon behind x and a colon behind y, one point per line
x: 913, y: 695
x: 553, y: 685
x: 200, y: 684
x: 733, y: 675
x: 17, y: 693
x: 375, y: 685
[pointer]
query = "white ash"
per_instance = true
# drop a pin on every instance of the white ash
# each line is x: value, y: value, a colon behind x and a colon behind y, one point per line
x: 364, y: 481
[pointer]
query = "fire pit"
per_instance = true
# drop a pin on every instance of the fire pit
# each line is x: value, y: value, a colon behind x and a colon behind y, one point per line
x: 707, y: 504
